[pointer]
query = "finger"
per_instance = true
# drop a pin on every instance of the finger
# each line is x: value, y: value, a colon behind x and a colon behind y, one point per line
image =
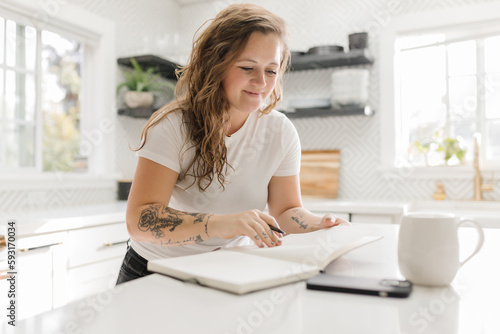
x: 269, y: 220
x: 328, y: 220
x: 254, y: 235
x: 265, y: 233
x: 278, y: 236
x: 265, y: 221
x: 331, y: 220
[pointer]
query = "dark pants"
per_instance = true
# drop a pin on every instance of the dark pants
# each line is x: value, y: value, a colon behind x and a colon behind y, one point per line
x: 133, y: 266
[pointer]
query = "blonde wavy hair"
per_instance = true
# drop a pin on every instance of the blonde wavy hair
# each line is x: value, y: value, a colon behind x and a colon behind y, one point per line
x: 199, y: 93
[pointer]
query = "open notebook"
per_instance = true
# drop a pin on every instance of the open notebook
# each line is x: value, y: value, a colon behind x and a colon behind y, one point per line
x: 244, y: 269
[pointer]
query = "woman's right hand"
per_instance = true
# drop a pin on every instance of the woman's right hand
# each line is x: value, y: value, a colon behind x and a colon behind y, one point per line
x: 254, y: 224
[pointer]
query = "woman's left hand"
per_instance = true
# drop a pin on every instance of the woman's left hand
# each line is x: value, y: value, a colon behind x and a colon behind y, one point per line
x: 330, y: 220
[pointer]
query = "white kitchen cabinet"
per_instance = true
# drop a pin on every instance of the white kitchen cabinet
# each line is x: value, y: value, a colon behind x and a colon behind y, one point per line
x: 54, y: 269
x: 64, y: 254
x: 36, y: 273
x: 94, y: 258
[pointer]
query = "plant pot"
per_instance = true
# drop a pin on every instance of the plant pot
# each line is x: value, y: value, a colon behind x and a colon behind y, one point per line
x: 138, y: 99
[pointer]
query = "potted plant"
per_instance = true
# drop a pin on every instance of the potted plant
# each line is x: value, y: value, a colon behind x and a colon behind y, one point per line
x: 448, y: 149
x: 452, y: 147
x: 140, y: 85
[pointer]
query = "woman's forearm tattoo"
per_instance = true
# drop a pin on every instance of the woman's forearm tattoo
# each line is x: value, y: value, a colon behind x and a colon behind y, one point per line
x: 149, y: 220
x: 156, y: 219
x: 196, y: 239
x: 198, y: 217
x: 298, y: 217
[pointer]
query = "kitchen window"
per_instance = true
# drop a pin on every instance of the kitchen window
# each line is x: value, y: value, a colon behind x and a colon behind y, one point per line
x: 57, y: 96
x: 448, y: 88
x: 440, y: 84
x: 40, y: 86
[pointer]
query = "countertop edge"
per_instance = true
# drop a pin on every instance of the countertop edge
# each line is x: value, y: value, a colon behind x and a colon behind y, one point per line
x: 70, y: 218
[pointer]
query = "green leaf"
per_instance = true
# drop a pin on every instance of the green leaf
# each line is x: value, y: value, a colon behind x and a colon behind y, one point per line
x: 142, y: 81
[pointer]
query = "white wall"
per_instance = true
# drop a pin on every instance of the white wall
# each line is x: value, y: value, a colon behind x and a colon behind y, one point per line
x: 320, y: 22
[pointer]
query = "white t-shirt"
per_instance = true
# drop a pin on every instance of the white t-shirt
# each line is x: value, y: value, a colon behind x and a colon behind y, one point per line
x: 263, y: 147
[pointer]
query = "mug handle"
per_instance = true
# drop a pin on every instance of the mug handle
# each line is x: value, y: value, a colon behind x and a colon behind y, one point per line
x: 480, y: 240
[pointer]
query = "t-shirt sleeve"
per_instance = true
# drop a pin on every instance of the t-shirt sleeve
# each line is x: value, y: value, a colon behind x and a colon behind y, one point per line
x: 164, y: 142
x: 290, y: 164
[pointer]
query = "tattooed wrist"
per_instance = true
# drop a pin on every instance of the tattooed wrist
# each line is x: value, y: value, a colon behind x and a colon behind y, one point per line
x: 196, y: 239
x: 206, y: 226
x: 298, y: 217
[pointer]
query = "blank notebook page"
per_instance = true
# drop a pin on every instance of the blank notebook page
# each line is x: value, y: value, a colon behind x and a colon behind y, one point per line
x: 233, y: 268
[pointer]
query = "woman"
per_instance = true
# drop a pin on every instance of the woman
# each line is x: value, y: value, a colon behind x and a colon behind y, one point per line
x: 210, y: 161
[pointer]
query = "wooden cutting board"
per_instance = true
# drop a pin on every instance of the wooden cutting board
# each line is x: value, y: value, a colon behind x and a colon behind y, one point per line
x: 319, y: 173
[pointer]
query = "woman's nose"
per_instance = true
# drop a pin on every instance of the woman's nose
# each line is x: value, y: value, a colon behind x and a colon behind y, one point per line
x: 259, y: 79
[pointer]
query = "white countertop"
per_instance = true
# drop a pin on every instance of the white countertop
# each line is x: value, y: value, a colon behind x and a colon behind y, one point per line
x: 159, y: 304
x: 39, y: 222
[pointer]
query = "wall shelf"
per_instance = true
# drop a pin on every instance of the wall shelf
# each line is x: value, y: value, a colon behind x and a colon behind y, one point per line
x: 334, y: 59
x: 164, y: 67
x: 351, y: 110
x: 298, y: 62
x: 301, y: 62
x: 136, y: 112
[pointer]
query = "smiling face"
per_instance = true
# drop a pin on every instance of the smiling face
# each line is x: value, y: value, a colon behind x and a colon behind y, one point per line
x: 252, y: 77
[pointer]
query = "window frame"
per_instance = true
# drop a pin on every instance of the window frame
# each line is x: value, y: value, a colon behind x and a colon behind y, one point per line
x: 98, y: 85
x: 392, y: 164
x: 16, y: 122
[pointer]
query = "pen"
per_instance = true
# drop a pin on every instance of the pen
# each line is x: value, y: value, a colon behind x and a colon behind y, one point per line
x: 275, y: 229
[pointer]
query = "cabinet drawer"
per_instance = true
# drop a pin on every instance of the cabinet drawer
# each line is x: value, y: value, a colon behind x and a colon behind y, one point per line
x: 95, y: 244
x: 93, y: 278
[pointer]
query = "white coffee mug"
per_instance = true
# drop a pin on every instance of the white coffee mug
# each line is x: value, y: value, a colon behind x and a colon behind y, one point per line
x: 428, y: 250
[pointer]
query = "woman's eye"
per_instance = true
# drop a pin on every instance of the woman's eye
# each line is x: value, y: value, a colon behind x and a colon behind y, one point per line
x: 249, y: 69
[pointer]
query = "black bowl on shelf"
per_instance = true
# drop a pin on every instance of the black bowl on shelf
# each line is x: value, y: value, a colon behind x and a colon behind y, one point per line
x: 325, y: 49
